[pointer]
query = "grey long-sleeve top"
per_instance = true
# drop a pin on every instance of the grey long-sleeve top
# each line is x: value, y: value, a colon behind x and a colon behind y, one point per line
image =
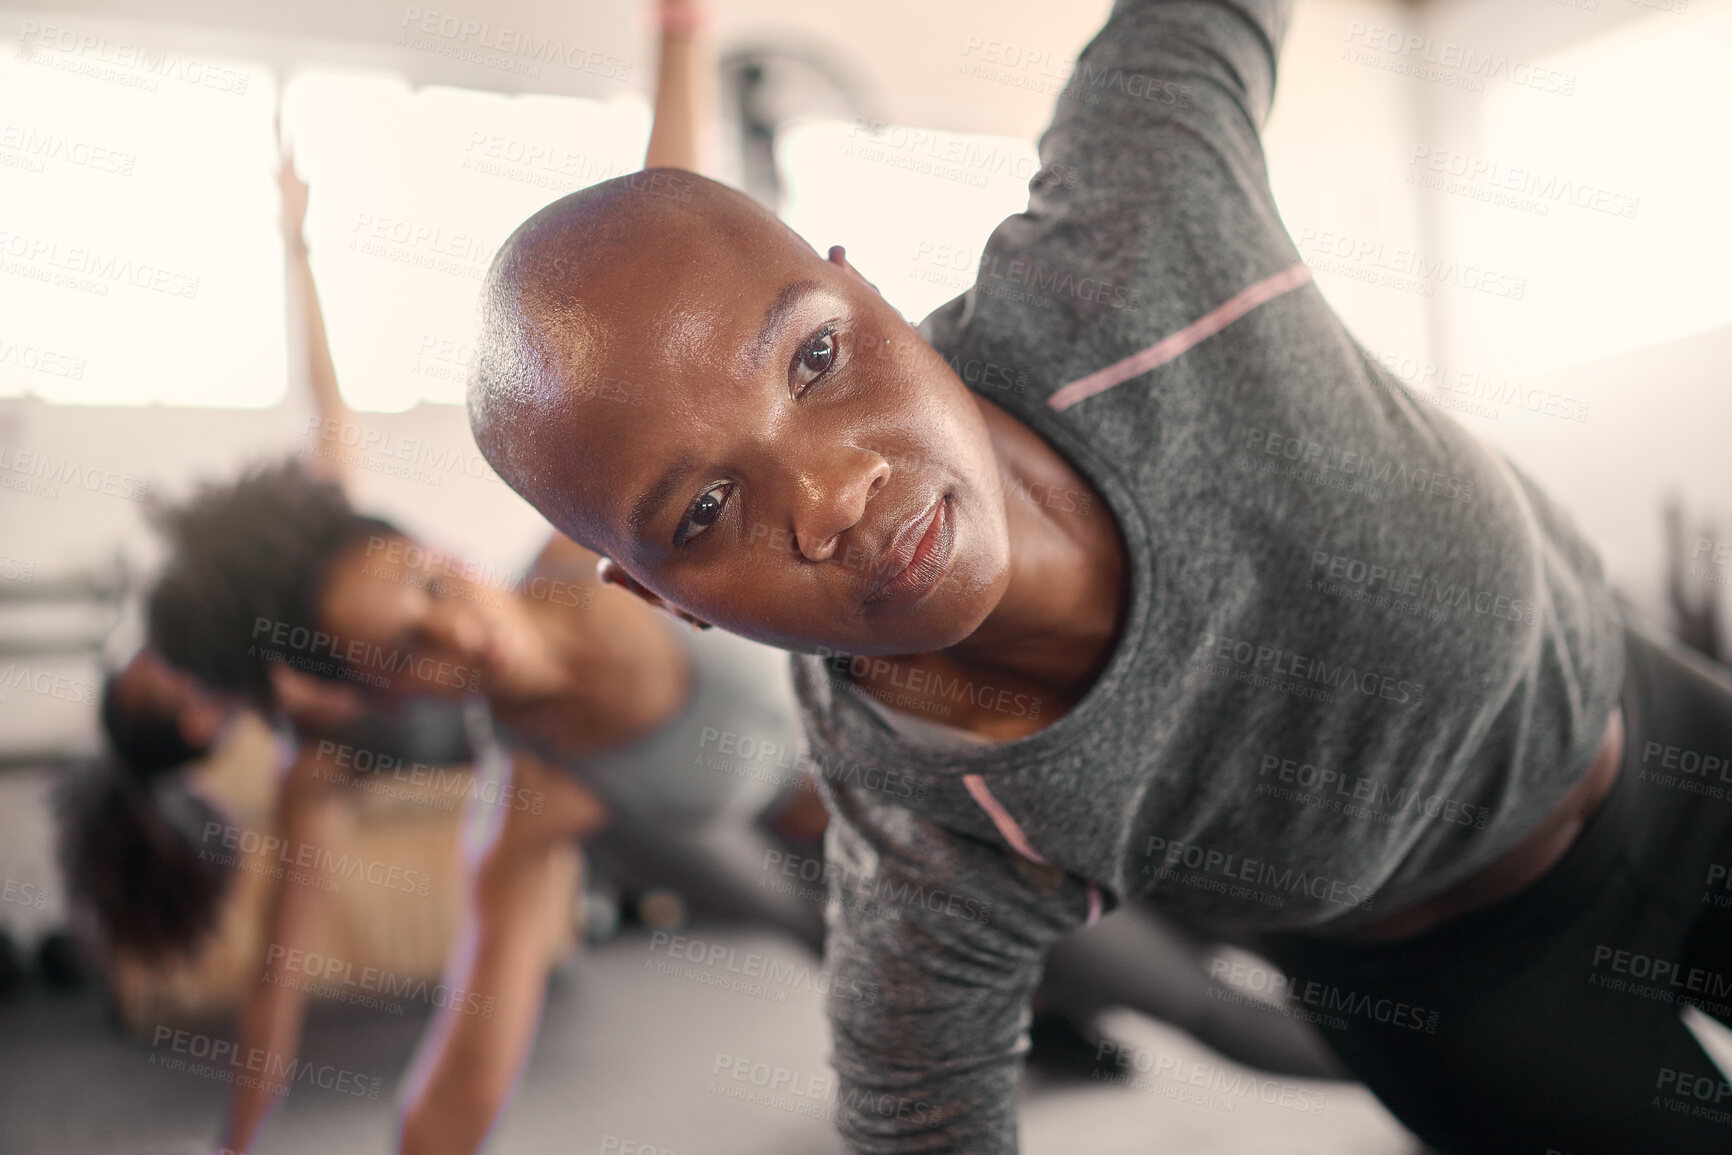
x: 1364, y: 657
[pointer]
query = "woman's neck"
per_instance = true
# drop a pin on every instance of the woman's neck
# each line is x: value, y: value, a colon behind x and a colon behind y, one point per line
x: 1061, y: 616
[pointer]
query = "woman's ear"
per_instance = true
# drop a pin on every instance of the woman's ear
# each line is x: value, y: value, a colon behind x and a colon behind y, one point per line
x: 610, y: 572
x: 839, y: 256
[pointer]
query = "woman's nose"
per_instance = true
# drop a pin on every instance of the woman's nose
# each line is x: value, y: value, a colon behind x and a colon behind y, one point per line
x: 833, y: 498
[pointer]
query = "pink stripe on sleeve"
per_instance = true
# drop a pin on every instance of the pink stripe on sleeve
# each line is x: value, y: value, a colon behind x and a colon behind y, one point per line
x: 1001, y: 818
x: 1172, y: 346
x: 1012, y: 833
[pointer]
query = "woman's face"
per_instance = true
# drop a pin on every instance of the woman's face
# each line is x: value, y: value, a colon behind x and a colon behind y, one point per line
x: 405, y: 625
x: 798, y: 465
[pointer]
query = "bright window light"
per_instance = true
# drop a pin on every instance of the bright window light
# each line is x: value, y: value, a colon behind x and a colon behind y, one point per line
x: 139, y: 261
x: 412, y: 191
x: 1613, y: 200
x: 912, y: 206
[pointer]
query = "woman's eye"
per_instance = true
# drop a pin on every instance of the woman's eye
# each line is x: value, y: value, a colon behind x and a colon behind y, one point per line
x: 814, y: 359
x: 705, y: 511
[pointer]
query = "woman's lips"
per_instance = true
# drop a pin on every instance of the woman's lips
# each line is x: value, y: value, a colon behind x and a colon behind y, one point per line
x: 926, y: 563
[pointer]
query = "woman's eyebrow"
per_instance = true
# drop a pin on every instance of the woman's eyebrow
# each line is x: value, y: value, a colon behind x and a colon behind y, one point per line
x: 785, y: 303
x: 649, y: 504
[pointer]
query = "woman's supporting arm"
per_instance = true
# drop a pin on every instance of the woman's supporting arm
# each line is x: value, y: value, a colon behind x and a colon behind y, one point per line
x: 929, y: 1003
x: 476, y: 1045
x: 311, y: 812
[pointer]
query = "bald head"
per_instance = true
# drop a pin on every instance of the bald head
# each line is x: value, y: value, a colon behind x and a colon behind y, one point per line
x: 574, y: 290
x: 749, y: 431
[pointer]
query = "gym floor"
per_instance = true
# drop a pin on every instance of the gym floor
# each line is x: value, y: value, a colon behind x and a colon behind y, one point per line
x: 638, y: 1054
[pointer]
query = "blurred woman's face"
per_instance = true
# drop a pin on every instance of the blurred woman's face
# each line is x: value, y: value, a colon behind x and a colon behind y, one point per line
x: 406, y: 625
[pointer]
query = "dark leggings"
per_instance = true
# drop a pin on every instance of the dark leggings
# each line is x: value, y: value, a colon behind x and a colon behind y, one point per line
x: 1135, y: 958
x: 1550, y: 1022
x: 724, y: 869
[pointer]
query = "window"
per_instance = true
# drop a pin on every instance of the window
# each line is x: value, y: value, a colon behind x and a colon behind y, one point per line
x: 139, y: 260
x: 912, y: 206
x: 1610, y: 201
x: 411, y: 194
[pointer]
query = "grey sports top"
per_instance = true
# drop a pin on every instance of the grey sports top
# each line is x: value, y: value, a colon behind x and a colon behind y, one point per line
x: 733, y: 744
x: 1365, y: 655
